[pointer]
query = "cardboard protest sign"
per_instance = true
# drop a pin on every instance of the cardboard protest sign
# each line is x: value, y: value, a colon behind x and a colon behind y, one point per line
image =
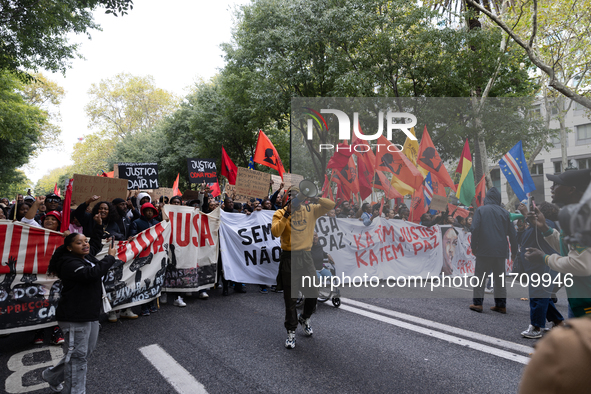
x: 202, y: 170
x: 231, y: 192
x: 288, y: 180
x: 252, y: 183
x: 156, y: 194
x: 438, y: 203
x: 139, y: 175
x: 189, y: 195
x: 86, y: 186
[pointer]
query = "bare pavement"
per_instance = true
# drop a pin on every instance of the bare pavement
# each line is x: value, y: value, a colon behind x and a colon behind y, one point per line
x: 236, y: 344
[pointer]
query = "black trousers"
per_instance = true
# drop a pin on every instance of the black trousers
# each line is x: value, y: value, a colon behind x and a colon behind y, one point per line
x: 289, y: 279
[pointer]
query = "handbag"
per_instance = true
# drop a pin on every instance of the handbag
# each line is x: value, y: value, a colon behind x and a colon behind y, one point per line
x: 106, y: 304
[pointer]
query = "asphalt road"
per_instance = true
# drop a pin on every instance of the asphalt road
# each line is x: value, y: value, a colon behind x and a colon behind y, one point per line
x: 236, y: 344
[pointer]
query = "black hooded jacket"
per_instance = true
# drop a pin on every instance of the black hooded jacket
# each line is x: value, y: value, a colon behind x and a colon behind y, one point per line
x: 81, y: 295
x: 491, y: 226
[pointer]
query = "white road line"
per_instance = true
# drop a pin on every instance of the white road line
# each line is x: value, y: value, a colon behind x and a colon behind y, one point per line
x: 444, y: 327
x: 436, y: 334
x: 177, y: 376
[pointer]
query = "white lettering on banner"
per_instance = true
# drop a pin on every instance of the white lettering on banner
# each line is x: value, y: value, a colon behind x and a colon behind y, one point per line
x: 140, y: 171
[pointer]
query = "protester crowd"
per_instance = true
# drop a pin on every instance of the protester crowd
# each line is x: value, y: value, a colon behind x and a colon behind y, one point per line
x: 534, y: 250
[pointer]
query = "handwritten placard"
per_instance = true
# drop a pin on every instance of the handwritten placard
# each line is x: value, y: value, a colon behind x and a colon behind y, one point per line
x: 86, y: 186
x: 231, y: 191
x: 139, y: 175
x: 252, y: 183
x: 438, y: 203
x: 202, y: 170
x: 288, y: 180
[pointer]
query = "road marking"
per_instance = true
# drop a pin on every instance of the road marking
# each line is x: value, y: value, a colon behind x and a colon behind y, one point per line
x: 15, y: 382
x: 173, y: 372
x: 444, y: 327
x: 439, y: 335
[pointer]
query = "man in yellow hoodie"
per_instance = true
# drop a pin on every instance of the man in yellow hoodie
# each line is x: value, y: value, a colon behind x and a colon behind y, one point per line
x: 294, y: 224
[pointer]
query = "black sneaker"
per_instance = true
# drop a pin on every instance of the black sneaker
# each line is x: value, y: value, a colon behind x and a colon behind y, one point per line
x: 57, y: 338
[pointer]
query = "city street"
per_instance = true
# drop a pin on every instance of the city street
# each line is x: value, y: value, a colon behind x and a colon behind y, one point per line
x: 236, y: 344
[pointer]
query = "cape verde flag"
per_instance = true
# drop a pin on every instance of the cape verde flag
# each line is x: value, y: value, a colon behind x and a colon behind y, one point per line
x: 427, y: 189
x: 515, y: 169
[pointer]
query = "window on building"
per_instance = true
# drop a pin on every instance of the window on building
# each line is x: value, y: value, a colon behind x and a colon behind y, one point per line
x: 558, y: 166
x: 583, y: 133
x: 584, y: 163
x: 537, y: 169
x: 535, y: 112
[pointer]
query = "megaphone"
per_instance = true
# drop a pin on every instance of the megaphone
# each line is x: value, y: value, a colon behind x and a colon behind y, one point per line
x: 307, y: 190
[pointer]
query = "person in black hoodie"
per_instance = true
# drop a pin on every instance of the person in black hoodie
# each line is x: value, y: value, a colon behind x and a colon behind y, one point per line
x: 109, y: 217
x: 490, y: 228
x: 79, y: 306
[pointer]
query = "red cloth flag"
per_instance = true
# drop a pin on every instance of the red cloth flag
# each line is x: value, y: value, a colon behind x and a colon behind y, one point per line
x: 390, y: 158
x: 55, y: 189
x: 418, y: 205
x: 348, y: 177
x: 266, y: 154
x: 229, y: 169
x: 381, y: 207
x: 480, y: 192
x: 366, y: 169
x: 429, y: 160
x: 456, y: 211
x: 65, y: 224
x: 341, y: 156
x: 215, y: 189
x: 175, y: 186
x: 326, y: 189
x: 381, y: 182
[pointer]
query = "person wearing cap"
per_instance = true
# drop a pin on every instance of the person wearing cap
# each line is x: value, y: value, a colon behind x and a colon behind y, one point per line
x: 567, y: 188
x: 124, y: 221
x: 53, y: 202
x: 294, y: 225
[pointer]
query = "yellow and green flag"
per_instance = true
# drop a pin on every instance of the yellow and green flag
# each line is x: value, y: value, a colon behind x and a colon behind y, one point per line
x: 466, y: 188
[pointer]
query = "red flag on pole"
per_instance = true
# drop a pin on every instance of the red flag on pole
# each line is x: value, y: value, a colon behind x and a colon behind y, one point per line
x: 341, y: 156
x: 175, y: 186
x: 429, y: 160
x: 381, y: 207
x: 65, y: 224
x: 229, y: 169
x: 390, y: 158
x: 215, y: 189
x: 55, y: 189
x: 267, y: 155
x: 381, y: 182
x: 480, y: 192
x: 418, y: 205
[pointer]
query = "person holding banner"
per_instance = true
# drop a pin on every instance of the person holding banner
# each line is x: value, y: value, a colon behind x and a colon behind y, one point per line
x: 79, y: 306
x: 294, y: 224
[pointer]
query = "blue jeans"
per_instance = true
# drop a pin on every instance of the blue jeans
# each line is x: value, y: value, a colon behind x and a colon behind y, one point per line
x: 542, y: 310
x: 71, y: 369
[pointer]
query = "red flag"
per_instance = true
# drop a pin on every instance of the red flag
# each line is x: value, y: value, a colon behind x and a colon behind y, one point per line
x: 66, y: 207
x: 341, y: 156
x: 348, y: 177
x: 381, y: 182
x: 59, y: 192
x: 326, y: 189
x: 175, y: 186
x: 390, y: 158
x: 418, y: 205
x: 215, y: 189
x: 456, y: 211
x: 429, y: 160
x: 267, y: 155
x: 366, y: 169
x: 229, y: 169
x: 381, y: 207
x: 55, y: 189
x: 480, y: 192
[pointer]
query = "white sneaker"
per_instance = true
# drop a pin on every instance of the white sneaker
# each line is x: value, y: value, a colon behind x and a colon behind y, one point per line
x: 59, y: 387
x: 203, y: 295
x: 163, y: 298
x: 128, y: 314
x: 532, y: 332
x: 113, y: 317
x: 179, y: 302
x: 306, y: 324
x: 290, y: 341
